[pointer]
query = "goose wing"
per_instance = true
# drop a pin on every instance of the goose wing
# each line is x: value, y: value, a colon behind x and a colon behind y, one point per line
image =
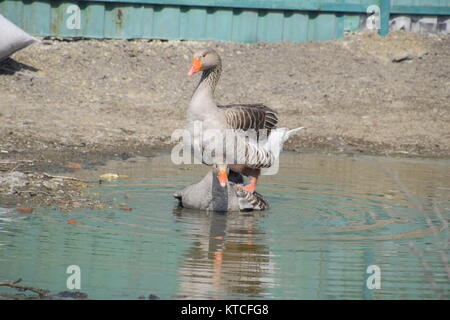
x: 250, y: 116
x: 265, y: 155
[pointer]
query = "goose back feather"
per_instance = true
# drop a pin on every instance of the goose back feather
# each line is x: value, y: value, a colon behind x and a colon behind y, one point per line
x: 250, y: 116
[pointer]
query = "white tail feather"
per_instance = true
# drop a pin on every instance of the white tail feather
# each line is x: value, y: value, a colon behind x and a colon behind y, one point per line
x: 275, y: 143
x: 291, y: 132
x: 279, y: 136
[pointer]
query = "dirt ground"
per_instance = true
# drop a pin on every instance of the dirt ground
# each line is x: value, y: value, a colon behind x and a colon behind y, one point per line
x: 86, y: 100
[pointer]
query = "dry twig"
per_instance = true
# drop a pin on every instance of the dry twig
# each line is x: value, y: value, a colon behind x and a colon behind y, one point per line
x: 15, y: 285
x: 68, y: 178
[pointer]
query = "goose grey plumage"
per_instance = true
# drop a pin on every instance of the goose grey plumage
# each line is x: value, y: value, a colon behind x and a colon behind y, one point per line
x: 250, y: 116
x: 208, y: 195
x: 260, y: 151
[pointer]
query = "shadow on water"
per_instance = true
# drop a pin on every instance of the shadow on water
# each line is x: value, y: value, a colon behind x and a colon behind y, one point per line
x: 331, y: 218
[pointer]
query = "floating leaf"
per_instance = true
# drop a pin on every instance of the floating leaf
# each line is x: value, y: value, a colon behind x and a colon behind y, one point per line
x: 126, y: 208
x: 72, y: 165
x: 73, y: 221
x: 24, y: 210
x: 109, y: 176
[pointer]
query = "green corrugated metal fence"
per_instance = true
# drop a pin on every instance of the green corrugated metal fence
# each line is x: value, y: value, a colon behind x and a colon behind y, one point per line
x: 226, y: 20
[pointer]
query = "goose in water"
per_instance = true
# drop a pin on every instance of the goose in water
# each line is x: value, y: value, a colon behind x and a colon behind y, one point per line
x: 257, y: 151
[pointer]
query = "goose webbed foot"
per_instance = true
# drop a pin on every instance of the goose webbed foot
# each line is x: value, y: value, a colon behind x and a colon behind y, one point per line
x: 250, y: 187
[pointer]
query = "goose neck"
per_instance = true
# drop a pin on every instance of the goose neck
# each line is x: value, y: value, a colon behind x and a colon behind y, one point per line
x: 208, y: 83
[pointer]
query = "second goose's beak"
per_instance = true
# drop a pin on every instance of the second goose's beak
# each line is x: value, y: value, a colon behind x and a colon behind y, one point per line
x: 222, y: 177
x: 196, y: 66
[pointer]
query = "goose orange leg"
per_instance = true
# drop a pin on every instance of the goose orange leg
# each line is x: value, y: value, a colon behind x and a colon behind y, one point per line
x: 250, y: 187
x: 253, y: 175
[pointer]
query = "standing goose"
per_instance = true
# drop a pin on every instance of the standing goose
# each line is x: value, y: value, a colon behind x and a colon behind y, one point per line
x: 241, y: 118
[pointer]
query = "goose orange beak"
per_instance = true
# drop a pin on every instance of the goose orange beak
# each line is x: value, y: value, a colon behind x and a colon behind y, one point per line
x: 222, y: 177
x: 196, y: 66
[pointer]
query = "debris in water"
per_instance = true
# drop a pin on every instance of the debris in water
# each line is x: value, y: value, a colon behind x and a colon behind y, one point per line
x: 42, y: 294
x: 112, y: 176
x: 74, y: 295
x: 14, y: 284
x: 24, y: 210
x: 73, y: 221
x: 72, y: 166
x: 109, y: 176
x: 126, y: 208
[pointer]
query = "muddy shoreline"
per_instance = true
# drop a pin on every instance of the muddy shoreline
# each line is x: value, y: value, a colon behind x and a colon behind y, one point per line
x: 49, y: 178
x: 88, y: 101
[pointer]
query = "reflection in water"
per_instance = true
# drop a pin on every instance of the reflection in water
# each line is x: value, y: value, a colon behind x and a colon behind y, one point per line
x: 330, y: 218
x: 228, y: 256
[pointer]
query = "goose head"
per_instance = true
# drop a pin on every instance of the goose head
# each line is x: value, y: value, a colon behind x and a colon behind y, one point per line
x: 203, y: 60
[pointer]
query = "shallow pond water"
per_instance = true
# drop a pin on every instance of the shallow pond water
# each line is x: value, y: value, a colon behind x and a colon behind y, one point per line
x: 331, y: 217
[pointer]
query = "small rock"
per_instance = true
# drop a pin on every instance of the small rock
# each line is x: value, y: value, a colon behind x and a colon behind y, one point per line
x: 50, y: 185
x: 403, y: 56
x: 74, y: 295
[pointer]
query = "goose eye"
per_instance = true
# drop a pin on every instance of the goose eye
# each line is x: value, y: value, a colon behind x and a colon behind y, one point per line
x: 204, y: 55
